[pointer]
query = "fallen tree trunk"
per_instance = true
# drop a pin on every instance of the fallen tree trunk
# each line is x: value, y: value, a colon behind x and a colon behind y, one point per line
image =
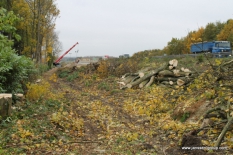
x: 151, y: 73
x: 129, y: 74
x: 151, y: 81
x: 167, y: 74
x: 143, y: 83
x: 161, y: 79
x: 144, y: 71
x: 128, y: 79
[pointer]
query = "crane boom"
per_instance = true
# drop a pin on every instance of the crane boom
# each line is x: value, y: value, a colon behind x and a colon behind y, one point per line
x: 55, y: 63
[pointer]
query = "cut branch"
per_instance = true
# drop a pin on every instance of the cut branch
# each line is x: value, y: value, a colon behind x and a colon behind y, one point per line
x: 224, y: 131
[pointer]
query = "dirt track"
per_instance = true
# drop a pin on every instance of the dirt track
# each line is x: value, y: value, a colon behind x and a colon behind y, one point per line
x: 108, y: 119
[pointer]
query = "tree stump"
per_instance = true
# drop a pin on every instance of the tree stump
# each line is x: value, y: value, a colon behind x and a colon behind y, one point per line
x: 5, y: 105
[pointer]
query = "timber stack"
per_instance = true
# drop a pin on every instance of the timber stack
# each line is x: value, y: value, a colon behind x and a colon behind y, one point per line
x: 168, y: 74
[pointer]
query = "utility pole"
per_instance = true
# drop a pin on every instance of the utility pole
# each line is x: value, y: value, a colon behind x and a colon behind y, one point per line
x: 76, y: 53
x: 76, y: 59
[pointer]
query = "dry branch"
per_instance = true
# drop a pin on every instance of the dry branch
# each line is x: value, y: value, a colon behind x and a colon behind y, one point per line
x: 222, y: 134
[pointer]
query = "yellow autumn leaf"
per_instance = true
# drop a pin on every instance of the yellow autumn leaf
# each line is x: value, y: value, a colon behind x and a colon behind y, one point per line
x: 37, y: 145
x: 217, y: 61
x: 28, y: 133
x: 166, y: 127
x: 148, y: 113
x: 201, y: 133
x: 48, y: 58
x: 135, y: 136
x: 60, y: 142
x: 173, y: 91
x: 231, y: 99
x: 215, y: 131
x: 13, y: 136
x: 199, y: 39
x: 141, y: 111
x: 205, y: 142
x: 172, y: 136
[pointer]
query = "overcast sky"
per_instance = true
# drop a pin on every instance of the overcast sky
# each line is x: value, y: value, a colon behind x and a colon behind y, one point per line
x: 116, y: 27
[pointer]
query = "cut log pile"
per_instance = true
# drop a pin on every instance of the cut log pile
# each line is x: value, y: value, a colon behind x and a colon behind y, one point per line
x: 169, y: 74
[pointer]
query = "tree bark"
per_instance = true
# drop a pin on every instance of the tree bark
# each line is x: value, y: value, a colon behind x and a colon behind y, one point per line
x: 222, y: 134
x: 129, y: 74
x: 142, y: 72
x: 151, y: 73
x: 5, y: 105
x: 143, y: 83
x: 166, y: 73
x: 160, y: 79
x: 152, y: 79
x: 128, y: 79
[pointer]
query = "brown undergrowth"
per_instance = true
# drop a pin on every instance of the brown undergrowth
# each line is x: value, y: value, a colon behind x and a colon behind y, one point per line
x: 85, y: 113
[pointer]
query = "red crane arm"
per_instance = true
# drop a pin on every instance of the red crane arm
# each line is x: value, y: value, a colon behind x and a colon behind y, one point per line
x: 59, y: 59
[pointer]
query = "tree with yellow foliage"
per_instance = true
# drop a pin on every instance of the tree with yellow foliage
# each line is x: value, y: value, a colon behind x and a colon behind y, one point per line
x: 227, y: 32
x: 195, y: 36
x: 36, y: 28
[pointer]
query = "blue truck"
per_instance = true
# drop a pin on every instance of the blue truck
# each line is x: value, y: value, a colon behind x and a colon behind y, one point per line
x: 214, y: 47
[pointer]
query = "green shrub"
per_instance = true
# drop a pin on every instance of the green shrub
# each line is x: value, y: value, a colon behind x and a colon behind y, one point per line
x: 14, y: 70
x: 103, y: 86
x: 88, y: 83
x: 200, y: 58
x: 72, y: 76
x: 63, y: 74
x: 43, y: 68
x: 184, y: 117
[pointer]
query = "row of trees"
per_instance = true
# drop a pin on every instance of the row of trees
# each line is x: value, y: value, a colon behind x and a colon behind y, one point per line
x: 40, y: 42
x: 212, y: 31
x: 27, y: 34
x: 36, y: 26
x: 15, y: 70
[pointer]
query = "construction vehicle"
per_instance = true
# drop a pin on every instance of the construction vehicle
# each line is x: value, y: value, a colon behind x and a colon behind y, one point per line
x: 57, y: 62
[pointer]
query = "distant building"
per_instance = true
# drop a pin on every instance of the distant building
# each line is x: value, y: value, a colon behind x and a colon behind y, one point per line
x: 124, y: 56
